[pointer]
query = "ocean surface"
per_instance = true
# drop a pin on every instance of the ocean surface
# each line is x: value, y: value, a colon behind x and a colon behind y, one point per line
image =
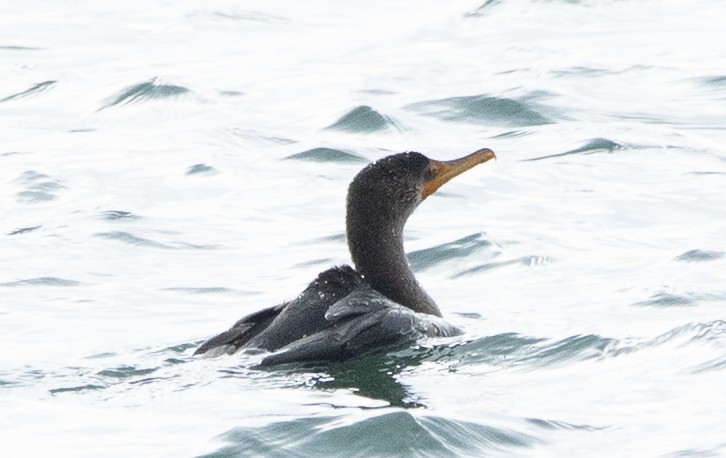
x: 167, y: 167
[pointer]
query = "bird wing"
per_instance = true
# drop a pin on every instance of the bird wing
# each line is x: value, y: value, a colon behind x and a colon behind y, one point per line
x: 365, y: 321
x: 241, y: 332
x: 275, y: 327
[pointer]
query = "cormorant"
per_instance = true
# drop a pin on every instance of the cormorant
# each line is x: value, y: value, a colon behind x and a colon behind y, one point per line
x: 346, y: 312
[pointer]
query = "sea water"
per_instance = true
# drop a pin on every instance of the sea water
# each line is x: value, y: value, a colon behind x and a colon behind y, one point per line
x: 167, y: 167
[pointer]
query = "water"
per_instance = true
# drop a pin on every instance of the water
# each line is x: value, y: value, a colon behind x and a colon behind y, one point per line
x: 167, y: 167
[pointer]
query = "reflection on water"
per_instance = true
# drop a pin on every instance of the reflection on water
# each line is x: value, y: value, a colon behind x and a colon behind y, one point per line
x: 374, y: 377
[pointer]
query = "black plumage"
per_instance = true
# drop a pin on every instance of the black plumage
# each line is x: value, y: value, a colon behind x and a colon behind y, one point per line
x: 346, y: 312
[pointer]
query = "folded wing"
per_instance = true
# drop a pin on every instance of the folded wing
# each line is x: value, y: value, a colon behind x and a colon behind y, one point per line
x: 365, y: 321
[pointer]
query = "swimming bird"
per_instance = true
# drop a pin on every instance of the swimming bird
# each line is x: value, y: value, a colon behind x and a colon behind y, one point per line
x: 347, y: 312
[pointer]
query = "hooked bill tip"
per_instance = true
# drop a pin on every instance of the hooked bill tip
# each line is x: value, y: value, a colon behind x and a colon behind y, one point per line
x: 444, y: 171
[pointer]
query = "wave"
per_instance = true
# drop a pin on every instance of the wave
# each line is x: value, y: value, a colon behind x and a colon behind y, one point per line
x: 118, y: 215
x: 207, y: 290
x: 496, y: 111
x: 197, y: 169
x: 327, y: 155
x: 42, y: 281
x: 522, y: 261
x: 39, y: 187
x: 390, y: 433
x: 24, y: 230
x: 512, y: 350
x: 131, y: 239
x: 700, y: 256
x: 665, y: 299
x: 38, y: 88
x: 430, y: 257
x: 597, y: 145
x: 148, y: 90
x: 363, y: 119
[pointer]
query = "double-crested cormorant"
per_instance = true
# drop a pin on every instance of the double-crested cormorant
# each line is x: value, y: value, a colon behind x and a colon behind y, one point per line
x: 346, y: 312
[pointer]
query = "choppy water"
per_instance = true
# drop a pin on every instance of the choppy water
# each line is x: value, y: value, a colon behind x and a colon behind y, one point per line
x: 167, y: 167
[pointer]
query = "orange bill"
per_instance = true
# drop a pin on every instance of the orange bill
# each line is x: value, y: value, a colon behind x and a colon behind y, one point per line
x: 443, y: 171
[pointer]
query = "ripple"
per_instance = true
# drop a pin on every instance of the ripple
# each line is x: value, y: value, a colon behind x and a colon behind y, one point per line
x: 597, y: 145
x: 702, y: 335
x: 492, y: 349
x: 716, y: 80
x: 582, y: 71
x: 327, y: 155
x: 700, y: 256
x: 667, y: 300
x: 550, y: 424
x: 714, y: 83
x: 394, y: 433
x: 483, y: 9
x: 40, y: 188
x: 102, y: 355
x: 711, y: 333
x: 19, y: 48
x: 249, y: 134
x: 47, y: 186
x: 123, y: 372
x: 23, y: 230
x: 116, y: 215
x: 698, y: 452
x: 38, y: 88
x: 514, y: 350
x: 181, y: 348
x: 716, y: 364
x: 700, y: 173
x: 363, y: 119
x: 578, y: 347
x: 377, y: 91
x: 148, y: 380
x: 523, y: 261
x: 34, y: 197
x: 146, y: 91
x: 512, y: 134
x: 503, y: 350
x: 478, y: 109
x: 251, y: 16
x: 429, y: 257
x: 31, y: 175
x: 208, y: 290
x: 76, y: 389
x: 131, y: 239
x: 231, y: 93
x: 201, y: 168
x: 43, y: 281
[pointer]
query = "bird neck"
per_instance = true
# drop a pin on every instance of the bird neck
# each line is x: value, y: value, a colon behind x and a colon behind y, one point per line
x: 376, y: 246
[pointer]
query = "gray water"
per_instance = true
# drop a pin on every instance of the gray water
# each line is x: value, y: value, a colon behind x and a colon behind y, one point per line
x: 168, y: 167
